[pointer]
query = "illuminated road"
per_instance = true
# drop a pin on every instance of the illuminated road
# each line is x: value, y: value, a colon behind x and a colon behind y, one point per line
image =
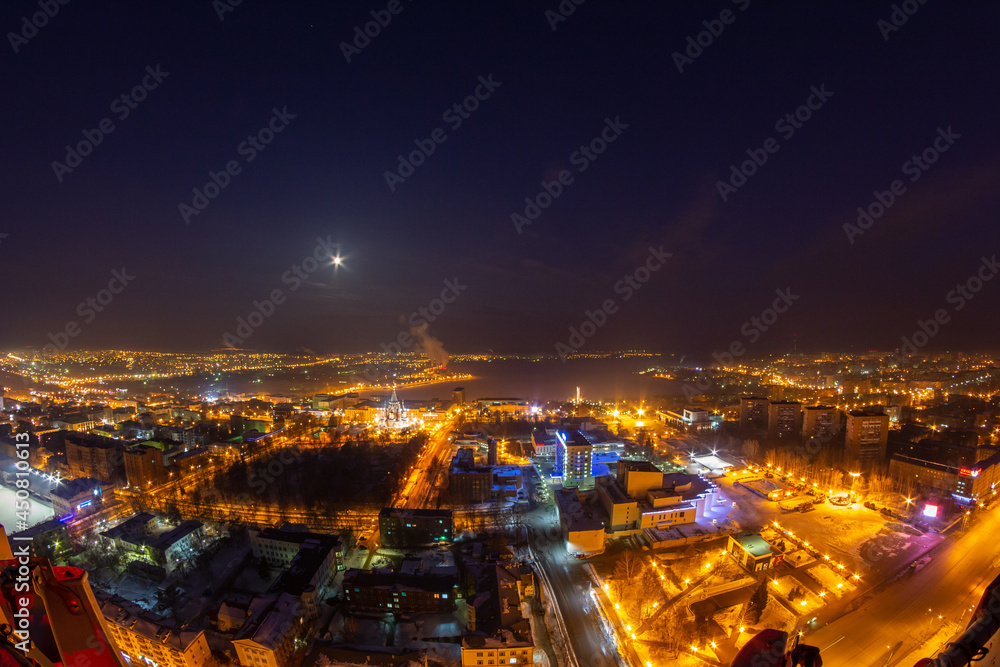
x: 418, y: 492
x: 570, y: 585
x: 908, y: 611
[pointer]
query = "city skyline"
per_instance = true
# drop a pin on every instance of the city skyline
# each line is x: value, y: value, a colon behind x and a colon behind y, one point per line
x: 554, y: 333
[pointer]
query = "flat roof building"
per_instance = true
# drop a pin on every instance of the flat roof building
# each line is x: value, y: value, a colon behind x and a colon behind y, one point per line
x: 751, y: 551
x: 401, y: 527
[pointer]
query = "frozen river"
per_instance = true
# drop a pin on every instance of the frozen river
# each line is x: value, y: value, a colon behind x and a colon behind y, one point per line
x: 38, y: 511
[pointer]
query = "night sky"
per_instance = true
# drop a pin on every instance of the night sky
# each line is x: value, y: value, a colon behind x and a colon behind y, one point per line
x: 551, y: 92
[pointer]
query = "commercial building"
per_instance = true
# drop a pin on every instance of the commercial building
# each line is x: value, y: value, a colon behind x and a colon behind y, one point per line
x: 784, y: 418
x: 753, y: 412
x: 969, y: 483
x: 820, y: 421
x: 751, y: 551
x: 574, y: 459
x: 544, y: 443
x: 690, y: 419
x: 642, y: 496
x: 399, y: 593
x: 979, y: 482
x: 867, y: 436
x: 77, y: 422
x: 509, y: 407
x: 76, y: 497
x: 401, y: 527
x: 581, y: 522
x: 145, y: 638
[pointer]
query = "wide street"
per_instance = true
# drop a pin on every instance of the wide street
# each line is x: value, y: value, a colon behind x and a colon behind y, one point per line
x: 418, y: 492
x: 570, y: 585
x: 908, y: 610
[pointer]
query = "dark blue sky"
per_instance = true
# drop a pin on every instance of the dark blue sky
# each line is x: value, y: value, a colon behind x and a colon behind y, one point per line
x: 656, y: 184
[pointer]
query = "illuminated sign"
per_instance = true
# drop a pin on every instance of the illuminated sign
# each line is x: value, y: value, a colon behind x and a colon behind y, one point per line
x: 969, y: 472
x: 930, y: 510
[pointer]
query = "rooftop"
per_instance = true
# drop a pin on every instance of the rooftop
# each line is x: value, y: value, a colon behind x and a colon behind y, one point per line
x: 753, y: 543
x: 132, y: 617
x: 69, y: 489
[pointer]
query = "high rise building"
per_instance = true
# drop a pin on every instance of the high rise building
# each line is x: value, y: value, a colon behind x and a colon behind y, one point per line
x: 753, y: 412
x: 820, y: 421
x: 93, y: 458
x: 574, y: 459
x: 145, y: 466
x: 867, y: 436
x: 784, y: 418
